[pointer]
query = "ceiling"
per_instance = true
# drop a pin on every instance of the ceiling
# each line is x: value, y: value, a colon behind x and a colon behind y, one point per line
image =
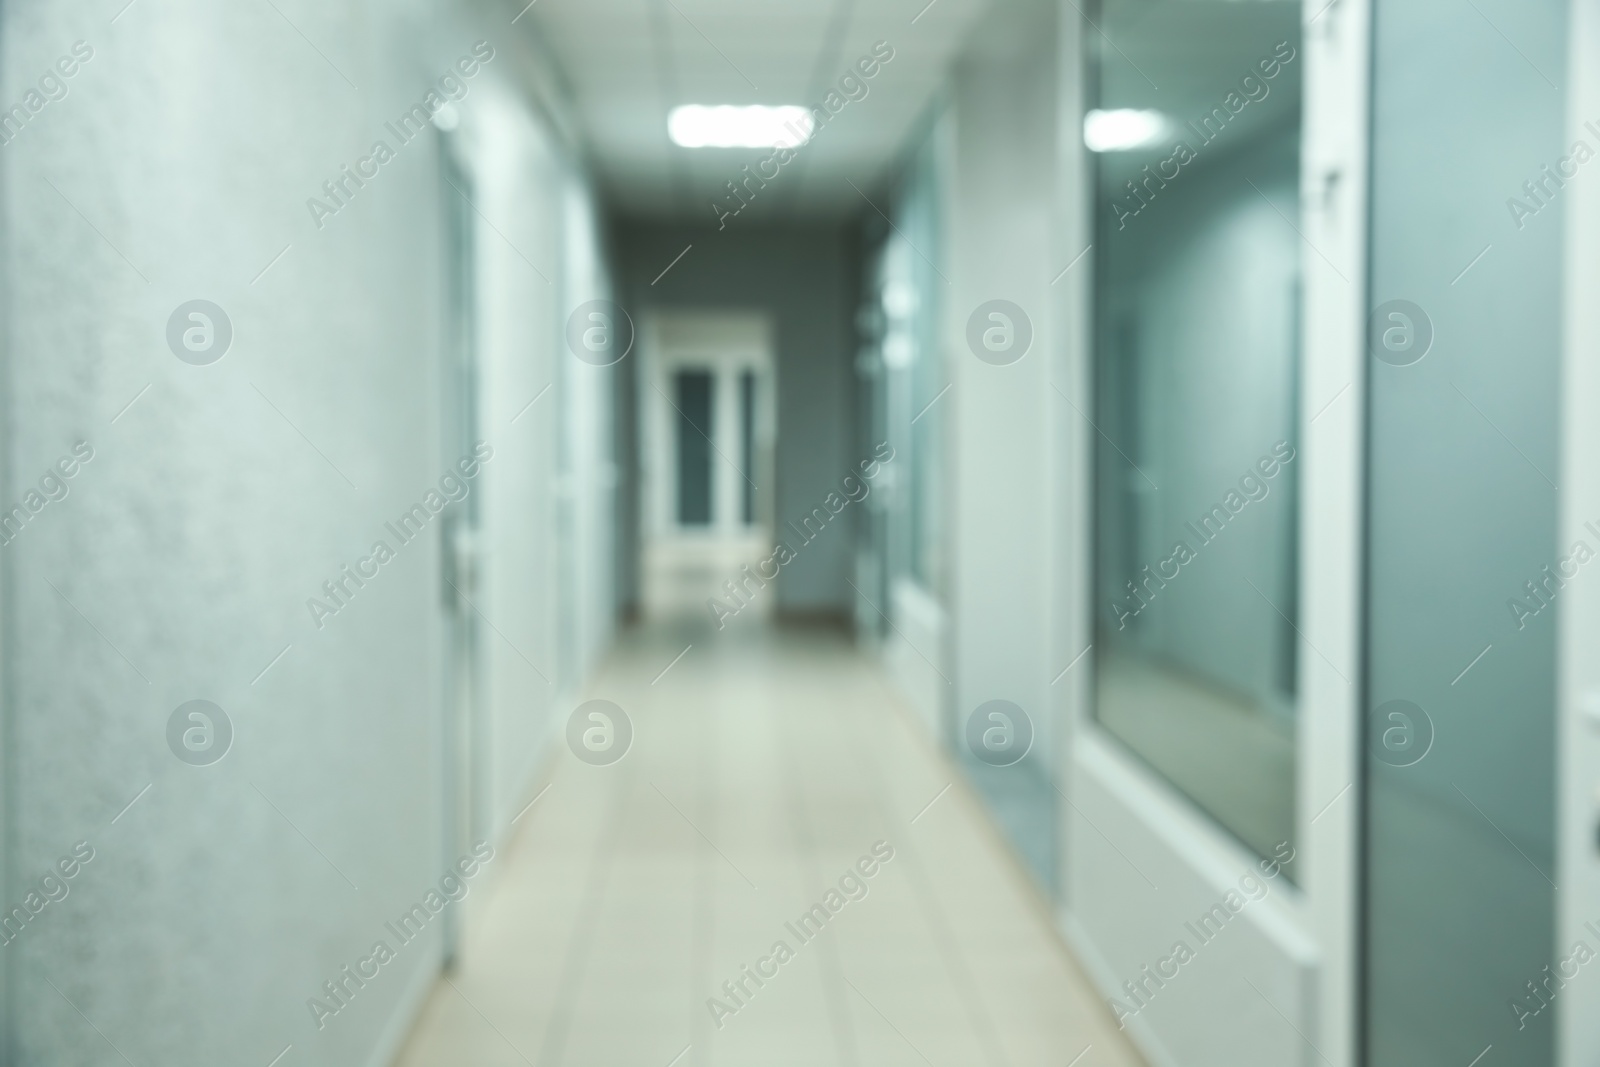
x: 628, y: 62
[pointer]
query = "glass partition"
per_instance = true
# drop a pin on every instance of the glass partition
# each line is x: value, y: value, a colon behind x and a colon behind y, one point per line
x: 1464, y: 383
x: 911, y: 307
x: 1195, y: 129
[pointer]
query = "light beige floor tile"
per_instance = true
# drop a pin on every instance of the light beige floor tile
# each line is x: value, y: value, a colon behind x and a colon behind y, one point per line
x: 764, y: 766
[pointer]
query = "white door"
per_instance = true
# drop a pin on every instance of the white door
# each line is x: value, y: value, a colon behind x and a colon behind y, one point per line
x: 708, y: 408
x: 464, y: 753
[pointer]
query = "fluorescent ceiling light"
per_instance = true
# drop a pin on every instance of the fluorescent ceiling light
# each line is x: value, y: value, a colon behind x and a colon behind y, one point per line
x: 728, y: 126
x: 1124, y: 130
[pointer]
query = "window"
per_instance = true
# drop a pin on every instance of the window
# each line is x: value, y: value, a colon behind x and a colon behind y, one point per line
x: 693, y: 389
x: 1196, y: 352
x: 747, y: 445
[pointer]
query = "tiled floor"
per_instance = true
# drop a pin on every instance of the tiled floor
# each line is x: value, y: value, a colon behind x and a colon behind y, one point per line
x: 765, y: 765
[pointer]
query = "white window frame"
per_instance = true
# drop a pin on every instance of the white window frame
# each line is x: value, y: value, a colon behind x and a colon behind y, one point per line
x: 1301, y: 945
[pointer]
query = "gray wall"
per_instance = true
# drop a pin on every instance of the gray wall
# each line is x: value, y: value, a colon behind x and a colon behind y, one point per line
x: 180, y: 563
x: 234, y: 519
x: 1462, y: 473
x: 807, y: 280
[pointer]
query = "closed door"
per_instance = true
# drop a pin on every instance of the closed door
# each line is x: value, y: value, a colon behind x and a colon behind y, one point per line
x: 463, y: 744
x: 709, y: 435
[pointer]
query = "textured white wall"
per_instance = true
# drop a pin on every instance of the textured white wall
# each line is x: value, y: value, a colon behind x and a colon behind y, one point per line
x: 180, y: 563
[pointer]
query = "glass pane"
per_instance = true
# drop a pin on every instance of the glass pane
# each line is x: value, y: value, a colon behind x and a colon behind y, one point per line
x: 1196, y: 349
x: 747, y: 445
x: 1463, y: 444
x: 693, y: 389
x: 918, y: 224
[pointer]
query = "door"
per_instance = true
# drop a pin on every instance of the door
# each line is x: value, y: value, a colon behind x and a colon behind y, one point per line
x: 709, y: 410
x: 1210, y: 824
x: 463, y: 744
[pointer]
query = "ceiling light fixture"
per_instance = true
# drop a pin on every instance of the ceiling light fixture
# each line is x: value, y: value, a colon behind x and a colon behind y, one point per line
x: 730, y: 126
x: 1125, y: 130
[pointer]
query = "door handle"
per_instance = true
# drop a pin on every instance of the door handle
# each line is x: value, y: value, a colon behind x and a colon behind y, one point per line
x: 460, y: 565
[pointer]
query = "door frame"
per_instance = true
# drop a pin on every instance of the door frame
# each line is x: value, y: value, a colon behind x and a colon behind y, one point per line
x: 1307, y: 938
x: 1578, y: 608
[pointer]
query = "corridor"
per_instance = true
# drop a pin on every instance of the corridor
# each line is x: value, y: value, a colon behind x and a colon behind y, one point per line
x: 848, y: 533
x: 764, y: 765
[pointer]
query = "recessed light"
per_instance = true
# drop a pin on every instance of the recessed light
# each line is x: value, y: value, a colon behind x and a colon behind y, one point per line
x: 1125, y: 129
x: 733, y: 126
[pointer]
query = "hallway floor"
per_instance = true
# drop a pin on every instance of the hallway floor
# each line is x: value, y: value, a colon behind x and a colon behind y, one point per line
x: 765, y: 765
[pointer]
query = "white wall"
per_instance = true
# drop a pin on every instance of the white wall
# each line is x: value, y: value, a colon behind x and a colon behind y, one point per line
x: 180, y: 563
x: 1002, y: 245
x: 976, y: 209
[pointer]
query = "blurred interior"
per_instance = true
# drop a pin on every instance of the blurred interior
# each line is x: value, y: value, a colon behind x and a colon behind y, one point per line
x: 512, y: 512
